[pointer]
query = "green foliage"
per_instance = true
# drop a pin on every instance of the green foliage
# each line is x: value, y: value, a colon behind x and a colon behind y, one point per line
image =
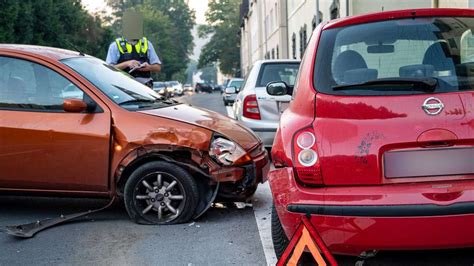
x: 168, y: 25
x: 224, y: 45
x: 209, y: 74
x: 60, y: 23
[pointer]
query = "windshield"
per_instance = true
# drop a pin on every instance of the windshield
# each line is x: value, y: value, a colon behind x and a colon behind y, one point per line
x: 236, y: 83
x: 116, y: 84
x: 278, y: 72
x: 405, y: 51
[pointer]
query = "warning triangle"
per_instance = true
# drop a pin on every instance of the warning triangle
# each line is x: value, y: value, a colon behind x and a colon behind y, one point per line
x: 306, y: 238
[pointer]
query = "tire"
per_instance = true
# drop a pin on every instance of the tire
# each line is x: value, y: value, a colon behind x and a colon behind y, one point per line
x: 280, y: 240
x: 176, y: 197
x: 225, y: 103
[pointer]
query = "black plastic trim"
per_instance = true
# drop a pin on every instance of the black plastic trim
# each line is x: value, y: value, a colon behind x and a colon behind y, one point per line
x: 384, y: 210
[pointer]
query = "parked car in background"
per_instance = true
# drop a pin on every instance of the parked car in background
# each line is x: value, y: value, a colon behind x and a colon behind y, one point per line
x: 377, y: 144
x: 230, y: 92
x: 203, y: 87
x: 160, y: 88
x: 169, y: 89
x: 188, y: 88
x: 176, y: 86
x: 253, y: 106
x: 120, y: 140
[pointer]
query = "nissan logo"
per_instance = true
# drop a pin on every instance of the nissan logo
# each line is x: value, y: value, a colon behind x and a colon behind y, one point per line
x: 432, y: 106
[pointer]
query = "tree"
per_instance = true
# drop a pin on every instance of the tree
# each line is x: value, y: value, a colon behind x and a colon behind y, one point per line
x: 63, y: 24
x: 224, y: 45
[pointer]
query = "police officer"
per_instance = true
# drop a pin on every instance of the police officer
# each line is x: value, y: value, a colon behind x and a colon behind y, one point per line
x: 133, y: 54
x: 138, y: 55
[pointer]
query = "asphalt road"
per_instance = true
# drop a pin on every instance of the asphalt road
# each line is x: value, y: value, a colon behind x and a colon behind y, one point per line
x: 223, y: 236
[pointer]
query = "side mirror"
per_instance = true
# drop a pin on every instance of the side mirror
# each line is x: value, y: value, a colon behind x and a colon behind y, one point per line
x: 74, y: 106
x: 277, y: 88
x: 230, y: 90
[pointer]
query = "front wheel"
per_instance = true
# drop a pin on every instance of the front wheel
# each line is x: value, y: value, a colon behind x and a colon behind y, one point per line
x: 160, y: 193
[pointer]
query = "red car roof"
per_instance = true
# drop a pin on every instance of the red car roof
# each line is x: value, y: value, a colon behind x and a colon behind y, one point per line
x: 397, y: 14
x: 50, y: 52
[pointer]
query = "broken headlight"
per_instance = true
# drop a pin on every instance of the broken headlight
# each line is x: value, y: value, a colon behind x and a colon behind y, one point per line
x: 225, y: 151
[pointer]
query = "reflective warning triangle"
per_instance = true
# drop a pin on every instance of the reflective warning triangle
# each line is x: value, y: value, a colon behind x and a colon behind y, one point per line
x: 306, y: 237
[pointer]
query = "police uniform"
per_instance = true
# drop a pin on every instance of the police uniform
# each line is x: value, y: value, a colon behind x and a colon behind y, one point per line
x: 143, y: 51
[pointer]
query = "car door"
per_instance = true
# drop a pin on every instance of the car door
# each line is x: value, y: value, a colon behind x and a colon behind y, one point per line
x: 271, y: 107
x: 41, y: 146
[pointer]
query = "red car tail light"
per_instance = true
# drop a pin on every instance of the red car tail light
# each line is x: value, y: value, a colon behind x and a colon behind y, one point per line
x: 251, y: 107
x: 305, y: 158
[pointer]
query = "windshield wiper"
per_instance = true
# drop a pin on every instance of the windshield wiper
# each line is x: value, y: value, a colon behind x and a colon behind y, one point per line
x: 138, y: 101
x: 423, y: 84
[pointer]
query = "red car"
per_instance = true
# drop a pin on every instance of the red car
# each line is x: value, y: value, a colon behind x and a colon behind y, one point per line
x: 377, y: 145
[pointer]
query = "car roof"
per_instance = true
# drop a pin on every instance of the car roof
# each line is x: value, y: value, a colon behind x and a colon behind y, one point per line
x: 277, y: 61
x: 50, y: 52
x: 398, y: 14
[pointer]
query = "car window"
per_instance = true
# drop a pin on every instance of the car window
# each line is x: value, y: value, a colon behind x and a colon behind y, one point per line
x: 236, y: 83
x: 278, y: 72
x: 405, y: 49
x: 31, y: 86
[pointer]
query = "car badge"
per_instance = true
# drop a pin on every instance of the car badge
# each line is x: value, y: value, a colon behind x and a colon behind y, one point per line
x: 432, y: 106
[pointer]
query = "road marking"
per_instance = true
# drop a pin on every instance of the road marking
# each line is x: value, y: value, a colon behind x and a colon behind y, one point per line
x: 230, y: 111
x: 262, y: 206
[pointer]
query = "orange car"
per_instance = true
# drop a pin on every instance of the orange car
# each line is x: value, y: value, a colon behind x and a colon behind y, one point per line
x: 71, y: 125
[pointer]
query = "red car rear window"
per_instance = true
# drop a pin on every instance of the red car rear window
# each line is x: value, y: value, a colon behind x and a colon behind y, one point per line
x: 397, y: 57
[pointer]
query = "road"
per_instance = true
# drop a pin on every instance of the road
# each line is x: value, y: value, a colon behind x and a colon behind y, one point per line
x: 223, y: 236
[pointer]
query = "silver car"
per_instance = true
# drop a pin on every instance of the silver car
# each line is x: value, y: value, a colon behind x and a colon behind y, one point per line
x: 230, y: 92
x: 253, y: 106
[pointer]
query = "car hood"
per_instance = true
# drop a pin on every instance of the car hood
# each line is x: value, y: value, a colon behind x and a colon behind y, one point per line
x: 213, y: 121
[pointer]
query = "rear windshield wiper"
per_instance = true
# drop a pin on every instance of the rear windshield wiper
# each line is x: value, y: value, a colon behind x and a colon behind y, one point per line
x: 423, y: 84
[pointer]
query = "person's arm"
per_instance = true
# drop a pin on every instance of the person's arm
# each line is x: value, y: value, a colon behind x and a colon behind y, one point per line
x: 150, y: 67
x: 127, y: 64
x: 155, y: 62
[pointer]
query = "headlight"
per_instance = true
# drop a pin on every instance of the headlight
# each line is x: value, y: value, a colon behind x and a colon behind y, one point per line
x: 225, y: 151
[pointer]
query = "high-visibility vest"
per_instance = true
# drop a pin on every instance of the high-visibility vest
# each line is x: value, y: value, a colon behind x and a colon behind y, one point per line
x: 141, y: 47
x: 138, y: 52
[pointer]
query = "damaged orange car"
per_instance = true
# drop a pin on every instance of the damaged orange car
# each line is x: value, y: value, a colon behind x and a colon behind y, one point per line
x: 71, y: 125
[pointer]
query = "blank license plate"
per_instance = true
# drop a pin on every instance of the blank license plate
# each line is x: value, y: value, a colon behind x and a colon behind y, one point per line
x: 429, y: 162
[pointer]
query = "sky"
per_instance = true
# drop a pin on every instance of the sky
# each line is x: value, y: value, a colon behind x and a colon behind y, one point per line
x: 200, y: 6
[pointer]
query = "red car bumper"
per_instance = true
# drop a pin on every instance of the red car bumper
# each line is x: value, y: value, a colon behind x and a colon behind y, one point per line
x: 352, y: 220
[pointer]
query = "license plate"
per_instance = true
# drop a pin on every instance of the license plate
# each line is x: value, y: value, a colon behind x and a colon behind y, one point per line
x: 429, y: 162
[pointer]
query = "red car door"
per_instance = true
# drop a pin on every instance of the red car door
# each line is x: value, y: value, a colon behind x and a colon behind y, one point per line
x: 43, y: 147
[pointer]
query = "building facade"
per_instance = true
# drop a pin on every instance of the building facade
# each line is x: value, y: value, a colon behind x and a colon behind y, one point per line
x: 282, y: 28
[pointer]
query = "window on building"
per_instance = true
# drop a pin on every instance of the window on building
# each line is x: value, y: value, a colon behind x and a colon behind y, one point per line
x: 293, y: 45
x: 276, y: 15
x: 305, y: 37
x: 314, y: 22
x: 334, y: 9
x: 301, y: 43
